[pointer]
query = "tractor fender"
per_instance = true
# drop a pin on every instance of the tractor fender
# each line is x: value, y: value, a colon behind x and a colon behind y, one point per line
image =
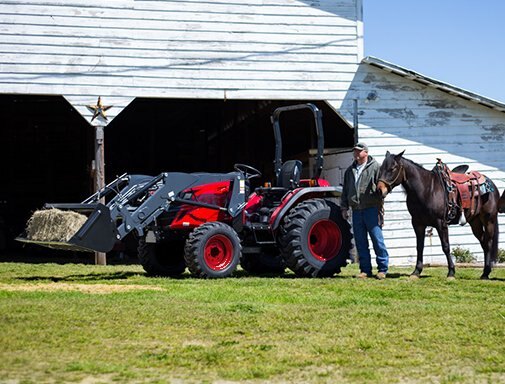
x: 298, y: 195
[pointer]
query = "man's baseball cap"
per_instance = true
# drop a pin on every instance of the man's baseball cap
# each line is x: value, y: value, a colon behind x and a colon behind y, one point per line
x: 361, y: 147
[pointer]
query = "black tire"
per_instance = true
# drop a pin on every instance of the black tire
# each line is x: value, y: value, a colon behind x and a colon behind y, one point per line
x: 213, y: 250
x: 270, y: 261
x: 315, y: 240
x: 165, y: 258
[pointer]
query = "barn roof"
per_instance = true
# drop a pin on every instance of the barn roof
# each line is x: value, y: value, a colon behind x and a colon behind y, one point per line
x: 430, y: 82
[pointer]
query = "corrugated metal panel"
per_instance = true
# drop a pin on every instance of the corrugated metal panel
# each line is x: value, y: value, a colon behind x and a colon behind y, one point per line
x: 272, y: 49
x: 396, y: 114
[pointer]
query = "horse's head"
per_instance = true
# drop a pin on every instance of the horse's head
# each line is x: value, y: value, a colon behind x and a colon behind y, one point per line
x: 391, y: 173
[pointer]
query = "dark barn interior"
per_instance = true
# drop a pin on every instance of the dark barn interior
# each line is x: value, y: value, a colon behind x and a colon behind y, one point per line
x: 155, y: 135
x: 47, y: 146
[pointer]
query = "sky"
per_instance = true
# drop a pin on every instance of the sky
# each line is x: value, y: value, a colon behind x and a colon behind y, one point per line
x: 459, y: 42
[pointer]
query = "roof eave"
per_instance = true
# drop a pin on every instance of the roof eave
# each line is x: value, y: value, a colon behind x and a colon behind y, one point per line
x: 440, y: 85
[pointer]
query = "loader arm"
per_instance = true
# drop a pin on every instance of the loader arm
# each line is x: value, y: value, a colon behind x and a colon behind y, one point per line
x: 135, y: 207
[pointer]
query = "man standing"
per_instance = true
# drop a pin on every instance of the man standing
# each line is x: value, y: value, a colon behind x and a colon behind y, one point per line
x: 360, y: 194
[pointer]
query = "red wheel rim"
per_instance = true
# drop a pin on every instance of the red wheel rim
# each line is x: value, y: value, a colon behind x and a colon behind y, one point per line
x: 218, y: 252
x: 325, y: 240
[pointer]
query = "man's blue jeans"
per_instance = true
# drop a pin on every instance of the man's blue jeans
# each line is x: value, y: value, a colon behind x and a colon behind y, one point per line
x: 366, y: 221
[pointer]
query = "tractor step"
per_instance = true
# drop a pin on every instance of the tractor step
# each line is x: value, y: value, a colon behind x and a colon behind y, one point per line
x: 262, y: 234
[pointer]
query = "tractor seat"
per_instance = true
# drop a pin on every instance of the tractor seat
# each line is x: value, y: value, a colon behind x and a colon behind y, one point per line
x: 289, y: 176
x: 289, y: 179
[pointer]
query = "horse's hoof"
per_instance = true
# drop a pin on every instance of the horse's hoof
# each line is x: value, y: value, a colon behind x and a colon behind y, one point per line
x: 451, y: 278
x: 414, y: 277
x: 484, y: 277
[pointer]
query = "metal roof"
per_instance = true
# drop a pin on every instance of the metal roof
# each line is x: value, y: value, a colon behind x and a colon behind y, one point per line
x: 430, y: 82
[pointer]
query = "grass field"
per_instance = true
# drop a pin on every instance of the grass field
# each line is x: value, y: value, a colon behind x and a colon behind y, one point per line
x: 89, y: 324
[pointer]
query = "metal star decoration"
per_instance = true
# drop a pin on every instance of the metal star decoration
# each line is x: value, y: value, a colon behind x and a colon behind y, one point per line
x: 99, y: 109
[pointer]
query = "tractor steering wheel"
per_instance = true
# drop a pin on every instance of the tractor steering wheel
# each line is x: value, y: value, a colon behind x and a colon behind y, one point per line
x: 248, y: 171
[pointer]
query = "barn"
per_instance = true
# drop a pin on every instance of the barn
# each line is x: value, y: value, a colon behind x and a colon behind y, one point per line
x: 183, y: 86
x: 186, y: 85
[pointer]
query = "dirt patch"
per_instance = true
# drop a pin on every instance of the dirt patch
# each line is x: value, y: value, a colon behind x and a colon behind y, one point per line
x: 99, y: 289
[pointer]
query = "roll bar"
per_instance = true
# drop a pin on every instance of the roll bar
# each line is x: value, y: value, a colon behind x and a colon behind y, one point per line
x: 318, y: 119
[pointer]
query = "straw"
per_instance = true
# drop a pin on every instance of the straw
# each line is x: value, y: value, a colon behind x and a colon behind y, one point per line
x: 54, y: 225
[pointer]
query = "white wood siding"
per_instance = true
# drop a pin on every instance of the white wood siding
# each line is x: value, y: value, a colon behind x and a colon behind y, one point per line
x: 122, y: 49
x: 427, y: 124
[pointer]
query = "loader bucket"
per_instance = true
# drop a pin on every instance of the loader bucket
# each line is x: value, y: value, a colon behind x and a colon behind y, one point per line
x: 98, y: 233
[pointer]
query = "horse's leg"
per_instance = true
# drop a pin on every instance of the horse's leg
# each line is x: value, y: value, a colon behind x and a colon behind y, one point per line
x: 443, y: 233
x: 493, y: 249
x: 488, y: 247
x: 420, y: 230
x: 478, y: 232
x: 487, y: 233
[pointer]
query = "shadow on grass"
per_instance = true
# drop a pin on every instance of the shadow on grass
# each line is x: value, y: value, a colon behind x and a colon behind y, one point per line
x: 496, y: 279
x: 291, y: 275
x: 396, y: 275
x: 83, y: 277
x: 40, y: 255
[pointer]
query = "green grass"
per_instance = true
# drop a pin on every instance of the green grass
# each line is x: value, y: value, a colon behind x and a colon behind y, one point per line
x: 56, y: 327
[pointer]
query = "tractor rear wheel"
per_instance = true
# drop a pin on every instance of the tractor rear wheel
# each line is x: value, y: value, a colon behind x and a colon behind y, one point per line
x: 212, y: 250
x: 315, y: 240
x: 165, y: 258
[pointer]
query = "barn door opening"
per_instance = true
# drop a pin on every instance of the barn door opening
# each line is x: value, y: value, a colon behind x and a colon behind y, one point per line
x: 46, y: 149
x: 155, y: 135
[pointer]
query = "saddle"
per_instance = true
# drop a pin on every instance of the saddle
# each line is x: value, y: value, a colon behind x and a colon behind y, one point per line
x: 463, y: 189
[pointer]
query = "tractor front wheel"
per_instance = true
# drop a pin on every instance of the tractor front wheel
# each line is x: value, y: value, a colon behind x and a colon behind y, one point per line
x: 315, y: 240
x: 213, y: 250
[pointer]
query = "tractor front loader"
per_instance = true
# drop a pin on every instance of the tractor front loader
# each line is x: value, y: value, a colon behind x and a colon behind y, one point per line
x: 211, y: 222
x: 161, y: 211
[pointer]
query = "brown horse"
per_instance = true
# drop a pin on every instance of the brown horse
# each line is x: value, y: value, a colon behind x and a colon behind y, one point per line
x: 427, y: 204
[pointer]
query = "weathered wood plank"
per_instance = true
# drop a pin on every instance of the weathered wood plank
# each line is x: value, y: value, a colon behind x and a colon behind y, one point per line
x: 26, y: 74
x: 276, y: 36
x: 138, y: 14
x: 71, y: 25
x: 240, y: 65
x: 273, y: 93
x: 175, y: 58
x: 59, y: 46
x: 298, y: 7
x: 154, y: 83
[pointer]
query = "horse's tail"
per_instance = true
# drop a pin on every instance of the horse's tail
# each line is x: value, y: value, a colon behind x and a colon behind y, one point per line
x: 501, y: 203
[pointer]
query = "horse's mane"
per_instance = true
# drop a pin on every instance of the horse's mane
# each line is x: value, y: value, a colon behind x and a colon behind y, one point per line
x: 414, y: 163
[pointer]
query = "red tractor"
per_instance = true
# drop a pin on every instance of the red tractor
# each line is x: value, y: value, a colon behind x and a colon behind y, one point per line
x: 211, y: 222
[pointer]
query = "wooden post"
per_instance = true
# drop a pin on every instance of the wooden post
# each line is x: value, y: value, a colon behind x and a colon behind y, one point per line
x: 100, y: 257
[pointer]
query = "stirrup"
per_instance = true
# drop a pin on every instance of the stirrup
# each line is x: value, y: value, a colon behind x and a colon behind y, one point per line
x: 462, y: 219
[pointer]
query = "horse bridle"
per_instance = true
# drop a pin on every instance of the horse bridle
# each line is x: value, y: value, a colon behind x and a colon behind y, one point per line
x: 390, y: 183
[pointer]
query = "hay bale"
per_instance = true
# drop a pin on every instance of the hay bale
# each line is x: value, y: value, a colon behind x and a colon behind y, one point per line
x: 54, y: 225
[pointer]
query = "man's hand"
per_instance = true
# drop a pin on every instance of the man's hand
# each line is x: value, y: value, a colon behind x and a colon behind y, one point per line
x: 345, y: 213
